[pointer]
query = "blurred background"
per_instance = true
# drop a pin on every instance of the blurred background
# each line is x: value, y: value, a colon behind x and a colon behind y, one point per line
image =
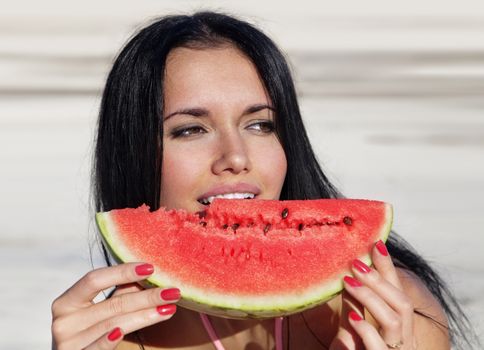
x: 392, y: 94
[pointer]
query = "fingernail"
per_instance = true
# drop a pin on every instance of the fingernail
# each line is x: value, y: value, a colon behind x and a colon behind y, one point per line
x: 361, y: 266
x: 354, y: 316
x: 166, y: 310
x: 382, y: 248
x: 170, y: 294
x: 352, y: 281
x: 115, y: 334
x: 144, y: 269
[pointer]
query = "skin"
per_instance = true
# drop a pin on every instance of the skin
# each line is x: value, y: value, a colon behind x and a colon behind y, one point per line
x: 225, y: 145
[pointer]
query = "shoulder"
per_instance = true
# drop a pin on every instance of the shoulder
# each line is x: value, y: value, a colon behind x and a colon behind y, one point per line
x: 423, y: 300
x: 430, y: 320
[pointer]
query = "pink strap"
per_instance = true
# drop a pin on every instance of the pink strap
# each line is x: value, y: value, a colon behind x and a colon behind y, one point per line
x: 278, y: 327
x: 218, y: 344
x: 211, y: 332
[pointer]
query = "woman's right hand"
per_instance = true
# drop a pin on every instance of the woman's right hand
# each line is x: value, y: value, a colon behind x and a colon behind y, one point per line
x: 80, y: 323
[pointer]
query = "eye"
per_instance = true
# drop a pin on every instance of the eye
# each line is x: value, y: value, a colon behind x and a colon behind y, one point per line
x: 187, y: 131
x: 265, y: 127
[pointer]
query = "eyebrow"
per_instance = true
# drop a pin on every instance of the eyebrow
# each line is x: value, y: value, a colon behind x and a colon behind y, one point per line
x: 202, y: 112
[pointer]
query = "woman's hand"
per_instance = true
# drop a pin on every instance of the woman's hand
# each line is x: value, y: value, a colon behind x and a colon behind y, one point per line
x: 379, y: 291
x: 79, y: 323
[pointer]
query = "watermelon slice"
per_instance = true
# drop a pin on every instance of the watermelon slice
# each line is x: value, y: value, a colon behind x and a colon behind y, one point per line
x: 250, y: 258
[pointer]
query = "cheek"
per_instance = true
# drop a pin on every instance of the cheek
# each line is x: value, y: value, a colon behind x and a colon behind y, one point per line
x: 271, y: 163
x: 180, y: 175
x: 280, y: 169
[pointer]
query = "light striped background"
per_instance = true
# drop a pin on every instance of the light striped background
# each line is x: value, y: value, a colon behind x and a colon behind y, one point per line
x: 392, y: 94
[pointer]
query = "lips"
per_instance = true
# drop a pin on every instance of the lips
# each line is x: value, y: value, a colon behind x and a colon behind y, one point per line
x: 238, y: 190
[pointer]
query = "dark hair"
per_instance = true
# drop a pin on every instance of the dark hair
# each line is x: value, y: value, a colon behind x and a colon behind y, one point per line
x: 128, y: 152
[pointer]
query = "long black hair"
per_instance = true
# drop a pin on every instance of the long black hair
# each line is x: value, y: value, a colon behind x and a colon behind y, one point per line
x: 128, y: 151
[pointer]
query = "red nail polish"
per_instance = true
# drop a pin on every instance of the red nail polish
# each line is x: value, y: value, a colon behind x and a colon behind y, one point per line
x: 115, y: 334
x: 144, y: 269
x: 354, y: 316
x: 166, y: 310
x: 382, y: 248
x: 361, y: 266
x: 352, y: 281
x: 170, y: 294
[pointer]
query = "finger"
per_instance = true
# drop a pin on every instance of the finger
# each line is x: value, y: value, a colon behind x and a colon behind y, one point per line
x: 62, y: 325
x: 108, y: 341
x: 85, y: 290
x: 387, y: 270
x: 127, y: 322
x: 391, y: 296
x: 384, y: 264
x: 347, y: 338
x: 395, y: 297
x: 368, y: 334
x: 389, y: 321
x: 118, y: 305
x: 128, y: 288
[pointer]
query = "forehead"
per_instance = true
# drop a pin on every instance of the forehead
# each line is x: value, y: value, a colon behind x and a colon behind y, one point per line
x: 217, y: 59
x: 223, y: 71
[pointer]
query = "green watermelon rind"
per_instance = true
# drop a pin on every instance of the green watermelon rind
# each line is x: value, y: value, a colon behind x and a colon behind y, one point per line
x: 267, y: 306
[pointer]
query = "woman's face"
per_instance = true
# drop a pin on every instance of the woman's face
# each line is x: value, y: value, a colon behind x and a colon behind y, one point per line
x: 218, y: 134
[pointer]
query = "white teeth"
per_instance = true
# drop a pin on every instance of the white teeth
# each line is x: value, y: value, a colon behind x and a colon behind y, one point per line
x: 210, y: 199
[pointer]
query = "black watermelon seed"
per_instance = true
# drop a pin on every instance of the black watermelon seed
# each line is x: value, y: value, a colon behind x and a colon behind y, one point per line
x: 225, y: 226
x: 268, y: 226
x: 202, y: 214
x: 348, y: 221
x: 300, y: 227
x: 203, y: 223
x: 235, y: 226
x: 284, y: 213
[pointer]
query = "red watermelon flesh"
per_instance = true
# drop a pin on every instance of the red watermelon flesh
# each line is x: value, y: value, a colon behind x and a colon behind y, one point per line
x: 250, y: 258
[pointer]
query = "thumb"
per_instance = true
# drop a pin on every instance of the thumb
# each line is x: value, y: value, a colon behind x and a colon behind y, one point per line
x: 347, y: 338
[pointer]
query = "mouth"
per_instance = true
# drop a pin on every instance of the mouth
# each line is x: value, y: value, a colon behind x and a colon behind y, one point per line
x: 235, y: 195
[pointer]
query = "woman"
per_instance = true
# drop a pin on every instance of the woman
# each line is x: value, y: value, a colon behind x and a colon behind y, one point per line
x: 205, y: 104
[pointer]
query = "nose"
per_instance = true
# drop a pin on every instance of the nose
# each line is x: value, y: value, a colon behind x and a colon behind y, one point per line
x: 232, y: 155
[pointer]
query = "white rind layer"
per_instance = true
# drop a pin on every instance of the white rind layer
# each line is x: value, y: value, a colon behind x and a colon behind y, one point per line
x: 236, y: 306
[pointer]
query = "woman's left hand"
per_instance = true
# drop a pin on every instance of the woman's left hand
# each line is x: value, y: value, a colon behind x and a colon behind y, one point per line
x: 379, y: 291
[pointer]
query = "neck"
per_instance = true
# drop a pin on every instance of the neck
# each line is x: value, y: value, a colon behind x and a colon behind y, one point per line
x: 252, y: 327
